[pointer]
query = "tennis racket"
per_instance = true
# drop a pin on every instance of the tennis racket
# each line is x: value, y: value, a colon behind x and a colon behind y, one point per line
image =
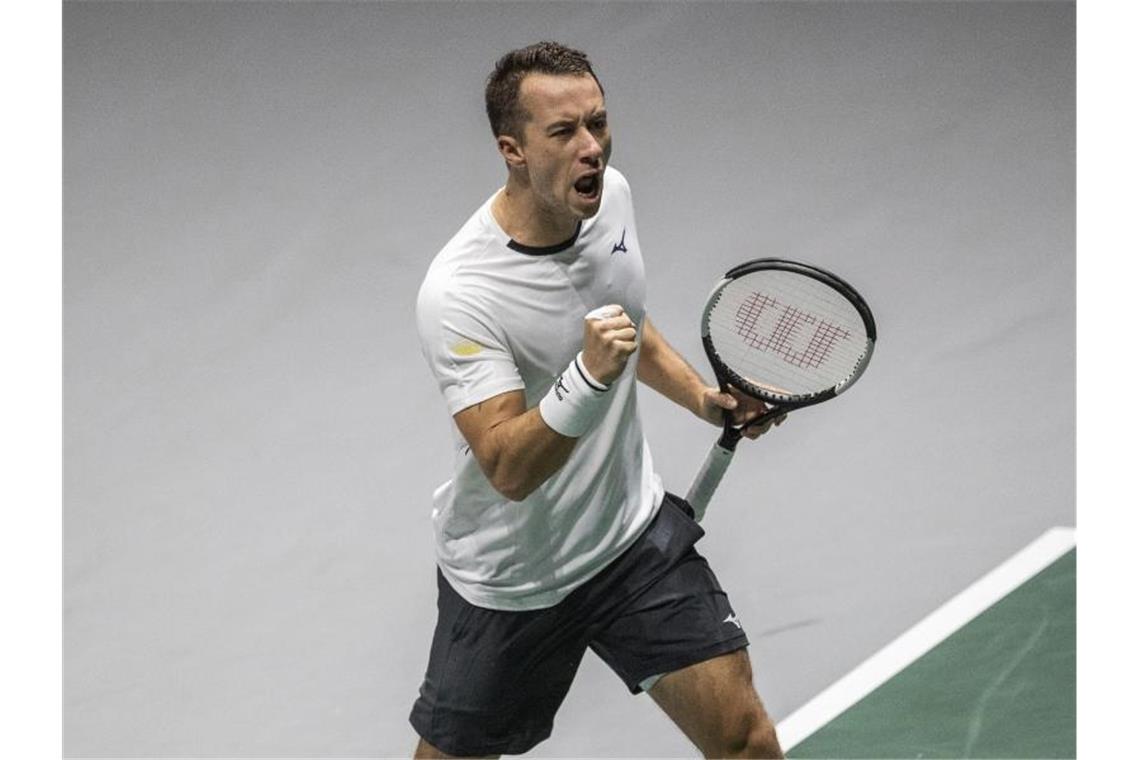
x: 789, y: 334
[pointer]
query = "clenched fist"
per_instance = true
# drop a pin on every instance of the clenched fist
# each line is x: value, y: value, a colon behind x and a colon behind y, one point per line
x: 608, y: 339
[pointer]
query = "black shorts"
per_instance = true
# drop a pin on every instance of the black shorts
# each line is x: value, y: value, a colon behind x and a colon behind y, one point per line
x: 496, y: 678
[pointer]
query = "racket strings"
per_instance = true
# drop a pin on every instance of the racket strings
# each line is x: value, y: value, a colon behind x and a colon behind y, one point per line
x: 786, y: 333
x: 791, y: 319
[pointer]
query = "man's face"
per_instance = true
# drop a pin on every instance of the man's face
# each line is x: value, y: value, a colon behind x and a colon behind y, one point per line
x: 566, y: 142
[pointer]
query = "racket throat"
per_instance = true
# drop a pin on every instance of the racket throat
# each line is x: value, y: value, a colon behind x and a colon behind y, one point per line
x: 731, y: 435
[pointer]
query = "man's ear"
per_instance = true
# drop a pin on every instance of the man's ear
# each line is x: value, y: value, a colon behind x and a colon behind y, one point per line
x: 512, y: 152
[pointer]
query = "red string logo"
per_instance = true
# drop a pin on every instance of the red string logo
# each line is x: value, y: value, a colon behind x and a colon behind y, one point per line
x: 788, y: 332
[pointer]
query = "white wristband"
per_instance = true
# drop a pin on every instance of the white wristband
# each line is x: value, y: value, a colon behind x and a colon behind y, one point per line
x: 574, y: 402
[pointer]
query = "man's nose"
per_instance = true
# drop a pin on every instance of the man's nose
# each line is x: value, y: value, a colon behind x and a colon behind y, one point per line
x: 591, y: 151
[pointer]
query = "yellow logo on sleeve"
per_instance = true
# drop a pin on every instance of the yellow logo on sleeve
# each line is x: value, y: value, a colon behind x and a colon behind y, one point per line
x: 466, y: 347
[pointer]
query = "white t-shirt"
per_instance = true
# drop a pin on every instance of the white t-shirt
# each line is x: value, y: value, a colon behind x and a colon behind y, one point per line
x: 497, y: 316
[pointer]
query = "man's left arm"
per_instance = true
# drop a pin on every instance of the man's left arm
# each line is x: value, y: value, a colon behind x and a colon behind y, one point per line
x: 666, y: 371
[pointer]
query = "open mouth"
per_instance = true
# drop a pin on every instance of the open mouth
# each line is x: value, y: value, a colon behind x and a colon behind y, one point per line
x: 588, y: 186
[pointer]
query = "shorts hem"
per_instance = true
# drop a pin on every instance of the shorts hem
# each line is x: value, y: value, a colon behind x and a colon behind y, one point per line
x: 515, y: 746
x: 671, y: 664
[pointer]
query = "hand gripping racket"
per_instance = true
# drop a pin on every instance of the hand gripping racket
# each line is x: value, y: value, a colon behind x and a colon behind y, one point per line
x: 789, y: 334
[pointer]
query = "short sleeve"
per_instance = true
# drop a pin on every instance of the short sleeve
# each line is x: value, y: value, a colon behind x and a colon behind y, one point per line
x: 468, y: 355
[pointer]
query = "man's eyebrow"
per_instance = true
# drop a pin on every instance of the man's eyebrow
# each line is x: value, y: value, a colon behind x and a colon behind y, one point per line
x: 569, y: 121
x: 562, y: 122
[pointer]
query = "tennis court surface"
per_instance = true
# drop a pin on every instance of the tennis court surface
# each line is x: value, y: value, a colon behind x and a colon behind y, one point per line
x: 992, y: 673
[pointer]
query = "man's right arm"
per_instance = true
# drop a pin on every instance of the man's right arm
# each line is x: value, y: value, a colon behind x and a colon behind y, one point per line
x: 517, y: 449
x: 514, y: 446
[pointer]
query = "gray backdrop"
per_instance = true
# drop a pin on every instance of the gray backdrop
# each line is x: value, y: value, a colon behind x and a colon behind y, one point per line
x: 252, y: 195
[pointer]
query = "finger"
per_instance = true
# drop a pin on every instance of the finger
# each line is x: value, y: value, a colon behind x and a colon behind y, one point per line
x: 750, y: 402
x: 757, y: 431
x: 625, y: 333
x: 748, y: 427
x: 724, y: 401
x: 606, y: 312
x: 603, y: 327
x: 625, y: 346
x: 739, y: 393
x: 615, y: 323
x: 747, y: 412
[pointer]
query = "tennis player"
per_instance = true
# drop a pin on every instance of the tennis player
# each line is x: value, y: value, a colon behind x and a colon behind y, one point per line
x: 555, y: 534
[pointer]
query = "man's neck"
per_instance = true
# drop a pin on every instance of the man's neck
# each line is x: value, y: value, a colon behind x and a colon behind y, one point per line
x: 525, y: 221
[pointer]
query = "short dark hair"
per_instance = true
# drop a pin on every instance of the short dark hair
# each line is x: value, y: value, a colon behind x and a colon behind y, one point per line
x: 502, y: 95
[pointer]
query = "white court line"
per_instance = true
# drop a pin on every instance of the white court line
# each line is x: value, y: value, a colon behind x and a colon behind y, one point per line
x: 924, y: 636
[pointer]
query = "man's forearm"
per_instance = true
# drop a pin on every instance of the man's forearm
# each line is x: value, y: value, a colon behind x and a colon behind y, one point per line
x: 666, y: 371
x: 524, y: 453
x: 516, y: 449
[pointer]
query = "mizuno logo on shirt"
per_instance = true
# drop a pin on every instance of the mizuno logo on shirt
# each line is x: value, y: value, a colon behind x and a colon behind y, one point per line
x: 620, y: 246
x: 734, y: 620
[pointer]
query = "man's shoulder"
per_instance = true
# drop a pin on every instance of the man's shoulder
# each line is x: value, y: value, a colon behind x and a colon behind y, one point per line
x: 445, y: 282
x: 471, y: 239
x: 452, y: 279
x: 615, y: 178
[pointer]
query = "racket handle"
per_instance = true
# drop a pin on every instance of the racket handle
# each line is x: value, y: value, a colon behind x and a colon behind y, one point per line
x: 708, y: 479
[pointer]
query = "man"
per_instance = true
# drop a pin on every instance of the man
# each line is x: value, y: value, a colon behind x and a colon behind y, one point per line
x: 555, y: 533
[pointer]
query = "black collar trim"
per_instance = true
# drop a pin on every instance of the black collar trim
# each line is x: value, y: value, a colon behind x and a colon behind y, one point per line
x: 546, y: 250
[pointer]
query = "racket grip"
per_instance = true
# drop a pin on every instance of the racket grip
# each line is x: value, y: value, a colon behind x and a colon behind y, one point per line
x: 708, y: 478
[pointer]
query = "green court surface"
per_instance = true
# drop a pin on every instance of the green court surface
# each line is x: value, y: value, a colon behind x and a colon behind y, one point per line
x: 1002, y: 686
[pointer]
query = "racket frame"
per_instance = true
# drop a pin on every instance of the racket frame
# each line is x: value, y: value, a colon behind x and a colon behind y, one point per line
x: 779, y: 403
